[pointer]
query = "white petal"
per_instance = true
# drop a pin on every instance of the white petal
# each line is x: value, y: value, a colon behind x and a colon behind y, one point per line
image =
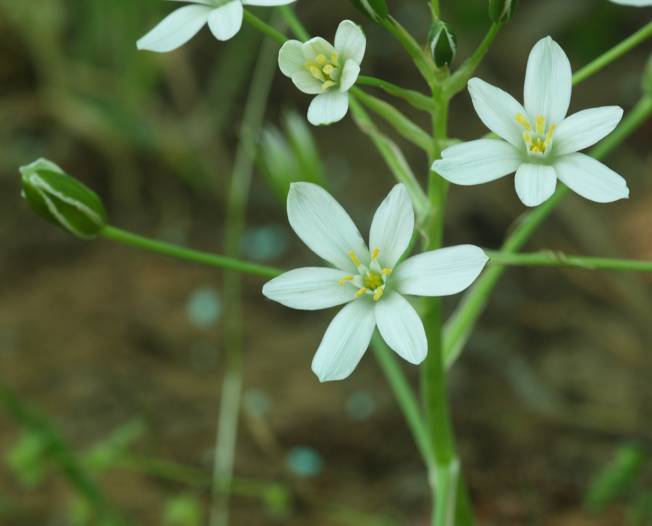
x: 402, y: 329
x: 225, y: 21
x: 310, y: 288
x: 392, y: 226
x: 350, y: 41
x: 497, y: 109
x: 440, y: 272
x: 635, y: 3
x: 535, y: 183
x: 477, y: 162
x: 585, y: 128
x: 345, y: 341
x: 548, y: 81
x: 317, y: 46
x: 323, y: 225
x: 175, y: 29
x: 306, y: 83
x: 267, y: 3
x: 350, y: 74
x: 290, y: 58
x: 591, y: 179
x: 328, y: 108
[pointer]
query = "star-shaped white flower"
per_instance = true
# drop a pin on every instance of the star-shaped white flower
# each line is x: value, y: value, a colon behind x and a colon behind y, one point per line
x: 636, y: 3
x: 540, y: 143
x: 318, y: 68
x: 370, y: 283
x: 224, y: 18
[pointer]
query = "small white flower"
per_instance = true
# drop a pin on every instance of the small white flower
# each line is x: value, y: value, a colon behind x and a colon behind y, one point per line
x: 636, y: 3
x: 318, y: 68
x: 540, y: 143
x: 370, y: 283
x: 224, y: 18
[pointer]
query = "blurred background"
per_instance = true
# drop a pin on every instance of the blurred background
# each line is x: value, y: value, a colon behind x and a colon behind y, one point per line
x: 111, y: 360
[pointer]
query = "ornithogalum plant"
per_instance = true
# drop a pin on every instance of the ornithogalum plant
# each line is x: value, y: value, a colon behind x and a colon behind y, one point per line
x: 376, y: 283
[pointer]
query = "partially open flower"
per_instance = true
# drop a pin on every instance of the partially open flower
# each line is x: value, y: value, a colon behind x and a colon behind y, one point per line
x: 372, y: 283
x: 224, y: 19
x: 318, y: 68
x: 539, y: 142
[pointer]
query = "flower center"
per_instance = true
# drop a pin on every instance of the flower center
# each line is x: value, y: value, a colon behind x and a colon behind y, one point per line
x: 325, y: 70
x: 537, y: 139
x: 371, y: 280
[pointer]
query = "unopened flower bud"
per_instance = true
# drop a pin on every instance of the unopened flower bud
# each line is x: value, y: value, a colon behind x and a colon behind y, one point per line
x: 62, y: 200
x: 375, y: 9
x: 443, y: 43
x: 501, y: 11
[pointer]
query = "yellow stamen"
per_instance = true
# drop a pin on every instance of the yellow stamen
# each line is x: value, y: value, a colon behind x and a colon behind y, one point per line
x: 387, y: 271
x: 527, y: 137
x: 522, y: 120
x: 328, y: 69
x: 316, y: 72
x: 379, y: 293
x: 374, y: 254
x: 343, y: 280
x: 361, y: 292
x: 549, y: 135
x: 335, y: 59
x: 327, y: 84
x: 321, y: 59
x: 354, y: 258
x: 541, y: 124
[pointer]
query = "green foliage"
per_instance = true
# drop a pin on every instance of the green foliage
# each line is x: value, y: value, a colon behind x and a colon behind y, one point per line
x: 29, y: 458
x: 184, y: 510
x: 374, y: 9
x: 501, y: 11
x: 443, y: 43
x: 109, y: 452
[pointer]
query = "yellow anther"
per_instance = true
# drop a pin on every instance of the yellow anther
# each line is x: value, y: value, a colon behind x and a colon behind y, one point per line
x: 387, y: 271
x: 344, y: 279
x: 541, y: 124
x: 316, y: 72
x: 374, y: 254
x: 522, y: 120
x: 335, y: 59
x: 354, y: 258
x: 361, y: 292
x: 328, y: 84
x: 527, y: 137
x: 379, y: 293
x: 372, y: 280
x: 328, y: 69
x: 551, y: 132
x: 321, y: 59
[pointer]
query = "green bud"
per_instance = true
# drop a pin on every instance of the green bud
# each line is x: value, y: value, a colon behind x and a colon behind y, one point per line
x: 501, y: 11
x: 62, y: 200
x: 647, y: 78
x: 374, y: 9
x: 443, y: 43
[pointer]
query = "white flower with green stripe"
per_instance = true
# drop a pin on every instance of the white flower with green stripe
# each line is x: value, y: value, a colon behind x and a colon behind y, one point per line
x: 328, y: 71
x: 537, y: 141
x: 224, y: 19
x: 371, y: 284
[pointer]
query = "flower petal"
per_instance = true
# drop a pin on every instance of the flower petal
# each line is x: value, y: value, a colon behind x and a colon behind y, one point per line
x: 345, y: 341
x: 317, y: 46
x: 323, y: 225
x: 585, y: 128
x: 535, y: 183
x: 440, y: 272
x: 350, y: 74
x: 392, y: 226
x: 328, y: 108
x: 497, y: 109
x: 477, y: 162
x: 267, y: 3
x: 226, y: 20
x: 591, y: 179
x: 350, y: 41
x: 309, y: 288
x: 401, y: 328
x: 175, y: 29
x: 290, y: 58
x: 635, y: 3
x: 548, y: 81
x: 306, y: 83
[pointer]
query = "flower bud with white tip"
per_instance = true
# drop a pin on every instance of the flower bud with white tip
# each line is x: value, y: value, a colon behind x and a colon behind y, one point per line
x: 62, y: 200
x: 443, y: 43
x: 501, y: 11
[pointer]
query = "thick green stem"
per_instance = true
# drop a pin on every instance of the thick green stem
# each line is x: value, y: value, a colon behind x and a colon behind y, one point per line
x: 414, y: 98
x: 187, y: 254
x: 264, y: 27
x: 550, y: 258
x: 461, y: 324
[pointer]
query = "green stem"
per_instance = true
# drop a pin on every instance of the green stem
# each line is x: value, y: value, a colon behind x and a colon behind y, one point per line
x: 229, y: 412
x: 264, y: 27
x: 414, y: 98
x: 549, y: 258
x: 457, y: 81
x: 295, y: 24
x: 434, y: 9
x: 187, y: 254
x: 461, y: 324
x: 614, y: 53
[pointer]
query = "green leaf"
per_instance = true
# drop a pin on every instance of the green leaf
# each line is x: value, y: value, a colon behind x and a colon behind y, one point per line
x: 375, y: 9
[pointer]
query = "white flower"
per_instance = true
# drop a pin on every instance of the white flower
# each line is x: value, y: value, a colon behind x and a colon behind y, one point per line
x: 540, y: 143
x: 636, y: 3
x: 370, y: 283
x: 318, y: 68
x: 224, y: 18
